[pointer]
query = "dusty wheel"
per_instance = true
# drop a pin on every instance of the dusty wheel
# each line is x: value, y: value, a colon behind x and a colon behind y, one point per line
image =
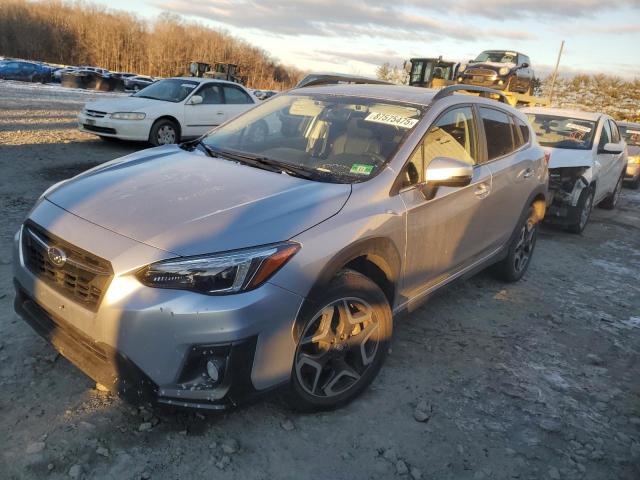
x: 611, y: 201
x: 342, y: 346
x: 585, y: 206
x: 516, y: 263
x: 164, y: 132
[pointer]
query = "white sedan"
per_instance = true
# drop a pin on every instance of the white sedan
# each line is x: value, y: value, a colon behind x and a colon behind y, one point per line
x: 587, y: 162
x: 167, y: 111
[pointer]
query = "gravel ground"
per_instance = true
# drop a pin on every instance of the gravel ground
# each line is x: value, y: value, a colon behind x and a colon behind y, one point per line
x: 533, y: 380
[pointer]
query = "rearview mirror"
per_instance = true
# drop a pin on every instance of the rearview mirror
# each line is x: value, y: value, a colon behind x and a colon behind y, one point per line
x: 612, y: 148
x: 195, y: 100
x: 448, y: 172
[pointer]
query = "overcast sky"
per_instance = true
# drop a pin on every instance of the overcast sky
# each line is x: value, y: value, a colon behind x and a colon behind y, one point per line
x: 354, y: 36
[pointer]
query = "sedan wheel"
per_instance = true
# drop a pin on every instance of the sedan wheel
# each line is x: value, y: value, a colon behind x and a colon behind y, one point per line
x: 524, y: 246
x: 166, y: 135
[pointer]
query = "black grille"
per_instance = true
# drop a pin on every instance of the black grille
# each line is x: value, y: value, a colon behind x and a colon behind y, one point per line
x: 82, y: 278
x: 485, y: 72
x: 95, y: 128
x: 95, y: 113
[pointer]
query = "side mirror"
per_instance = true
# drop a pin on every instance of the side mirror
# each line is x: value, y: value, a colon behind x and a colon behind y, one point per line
x: 195, y: 100
x: 448, y: 172
x: 612, y: 148
x: 524, y: 65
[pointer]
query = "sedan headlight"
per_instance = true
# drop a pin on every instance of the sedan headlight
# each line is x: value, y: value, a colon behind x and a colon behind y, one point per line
x: 128, y: 116
x: 219, y: 274
x: 503, y: 70
x: 634, y: 159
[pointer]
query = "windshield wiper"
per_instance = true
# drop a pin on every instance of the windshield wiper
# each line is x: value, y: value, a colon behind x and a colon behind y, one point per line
x: 259, y: 162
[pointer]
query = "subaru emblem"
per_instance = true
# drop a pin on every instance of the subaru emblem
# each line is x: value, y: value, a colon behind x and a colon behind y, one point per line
x: 57, y: 256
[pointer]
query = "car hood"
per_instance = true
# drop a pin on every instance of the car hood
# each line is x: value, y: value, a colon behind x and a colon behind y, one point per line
x: 565, y: 157
x: 188, y: 203
x: 491, y: 65
x: 126, y: 104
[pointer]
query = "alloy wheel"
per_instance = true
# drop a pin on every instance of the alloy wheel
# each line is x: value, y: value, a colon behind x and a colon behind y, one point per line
x: 616, y: 192
x: 166, y: 135
x: 337, y: 347
x: 524, y: 246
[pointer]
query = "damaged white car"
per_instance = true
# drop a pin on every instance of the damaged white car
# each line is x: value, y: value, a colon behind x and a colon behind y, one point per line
x: 586, y: 166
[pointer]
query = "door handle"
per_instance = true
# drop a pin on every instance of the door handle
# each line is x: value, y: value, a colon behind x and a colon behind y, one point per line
x: 219, y: 113
x: 482, y: 190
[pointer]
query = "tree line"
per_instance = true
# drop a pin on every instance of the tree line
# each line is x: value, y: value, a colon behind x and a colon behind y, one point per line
x: 80, y: 33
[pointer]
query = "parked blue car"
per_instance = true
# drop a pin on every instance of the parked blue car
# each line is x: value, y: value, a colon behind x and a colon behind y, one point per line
x: 25, y: 71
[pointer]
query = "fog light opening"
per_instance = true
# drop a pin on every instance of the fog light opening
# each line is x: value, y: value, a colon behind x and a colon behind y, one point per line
x: 213, y: 370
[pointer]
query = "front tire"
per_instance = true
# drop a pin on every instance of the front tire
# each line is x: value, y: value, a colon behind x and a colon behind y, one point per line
x: 343, y: 342
x: 516, y: 263
x: 611, y: 201
x: 164, y: 132
x: 584, y: 208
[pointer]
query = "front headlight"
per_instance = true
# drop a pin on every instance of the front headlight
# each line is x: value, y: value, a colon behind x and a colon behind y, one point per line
x: 128, y: 116
x: 219, y: 274
x: 503, y: 70
x: 462, y: 68
x: 634, y: 159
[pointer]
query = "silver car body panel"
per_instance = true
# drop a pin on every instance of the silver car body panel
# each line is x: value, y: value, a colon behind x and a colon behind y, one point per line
x: 166, y: 202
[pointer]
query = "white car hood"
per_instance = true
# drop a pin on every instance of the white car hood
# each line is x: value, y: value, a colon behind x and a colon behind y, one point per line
x: 565, y: 157
x: 127, y: 104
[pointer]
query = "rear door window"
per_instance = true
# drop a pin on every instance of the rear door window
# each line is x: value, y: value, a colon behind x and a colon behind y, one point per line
x: 499, y: 135
x: 233, y: 95
x: 524, y: 130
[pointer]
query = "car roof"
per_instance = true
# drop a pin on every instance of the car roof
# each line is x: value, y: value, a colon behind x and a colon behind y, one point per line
x: 397, y: 93
x: 564, y: 112
x: 202, y: 80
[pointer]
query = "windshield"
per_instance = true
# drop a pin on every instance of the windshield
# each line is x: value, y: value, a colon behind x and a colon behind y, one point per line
x: 563, y: 132
x: 342, y: 139
x: 631, y: 134
x: 498, y: 57
x: 170, y: 90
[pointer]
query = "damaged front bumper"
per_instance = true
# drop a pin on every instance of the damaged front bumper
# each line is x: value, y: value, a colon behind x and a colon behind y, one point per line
x: 565, y: 187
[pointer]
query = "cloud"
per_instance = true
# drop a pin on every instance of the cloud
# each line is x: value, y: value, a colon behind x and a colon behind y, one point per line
x: 401, y: 20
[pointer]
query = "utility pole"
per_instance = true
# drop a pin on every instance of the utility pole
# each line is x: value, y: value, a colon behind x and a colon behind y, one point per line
x: 555, y: 73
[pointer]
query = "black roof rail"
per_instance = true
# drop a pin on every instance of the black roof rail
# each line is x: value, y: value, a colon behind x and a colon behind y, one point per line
x: 483, y: 91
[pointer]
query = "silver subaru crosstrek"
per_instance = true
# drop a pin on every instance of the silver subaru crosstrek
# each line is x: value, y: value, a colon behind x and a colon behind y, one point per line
x: 277, y: 250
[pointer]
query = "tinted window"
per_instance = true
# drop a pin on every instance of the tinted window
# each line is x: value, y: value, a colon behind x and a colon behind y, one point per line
x: 497, y: 128
x: 524, y: 130
x: 605, y: 136
x: 615, y: 134
x: 211, y: 94
x: 452, y: 136
x: 235, y: 95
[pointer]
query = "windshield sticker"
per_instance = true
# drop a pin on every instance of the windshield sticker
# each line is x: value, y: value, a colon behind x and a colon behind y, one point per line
x: 580, y: 128
x: 633, y: 132
x: 389, y: 119
x: 361, y: 169
x: 188, y: 85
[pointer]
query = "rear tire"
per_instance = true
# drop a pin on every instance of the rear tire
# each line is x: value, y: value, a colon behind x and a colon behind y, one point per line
x: 611, y: 201
x: 343, y: 342
x: 584, y: 207
x: 164, y: 132
x: 515, y: 264
x: 635, y: 184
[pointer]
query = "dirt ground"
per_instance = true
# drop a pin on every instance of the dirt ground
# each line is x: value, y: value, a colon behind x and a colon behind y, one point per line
x: 534, y: 380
